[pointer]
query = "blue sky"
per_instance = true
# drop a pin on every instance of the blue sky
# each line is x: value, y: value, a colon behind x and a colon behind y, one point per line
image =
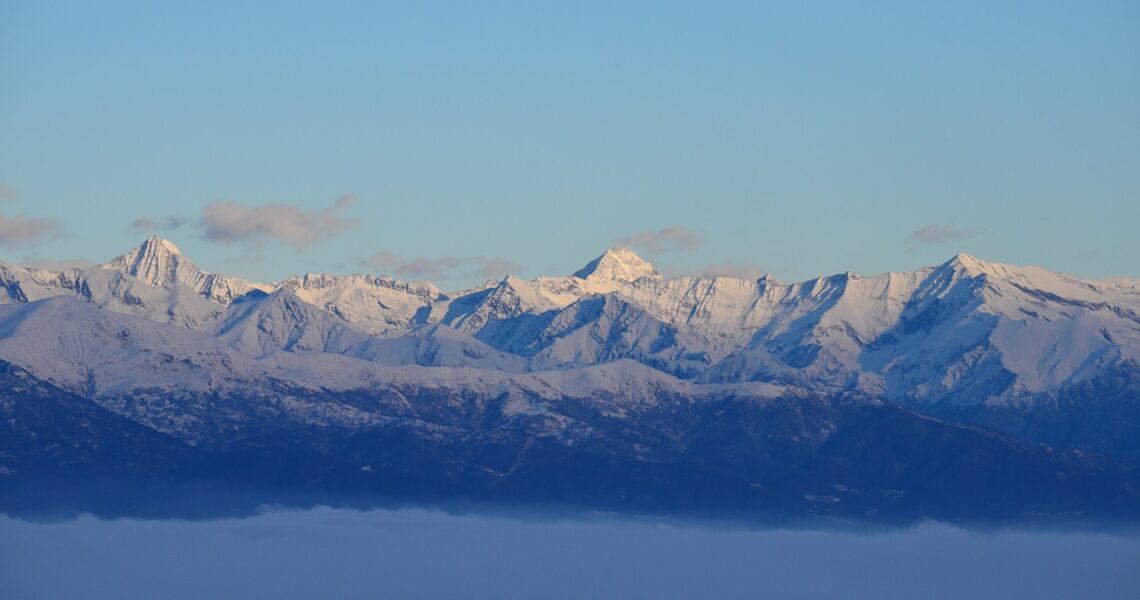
x: 455, y: 140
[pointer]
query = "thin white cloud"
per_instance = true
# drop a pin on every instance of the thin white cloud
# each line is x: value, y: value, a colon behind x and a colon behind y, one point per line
x: 670, y: 239
x: 230, y: 222
x: 6, y: 193
x: 442, y: 268
x: 940, y: 233
x: 21, y: 230
x: 147, y: 224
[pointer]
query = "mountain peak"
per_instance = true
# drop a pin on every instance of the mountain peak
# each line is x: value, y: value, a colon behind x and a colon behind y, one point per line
x: 617, y: 264
x: 157, y: 261
x: 155, y: 243
x: 968, y: 263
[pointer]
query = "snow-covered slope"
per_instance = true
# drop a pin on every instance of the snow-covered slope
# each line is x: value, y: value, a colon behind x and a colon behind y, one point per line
x: 93, y: 352
x: 966, y: 333
x: 378, y: 305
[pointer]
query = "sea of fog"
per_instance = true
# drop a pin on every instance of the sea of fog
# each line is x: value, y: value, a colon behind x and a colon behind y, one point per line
x: 332, y: 553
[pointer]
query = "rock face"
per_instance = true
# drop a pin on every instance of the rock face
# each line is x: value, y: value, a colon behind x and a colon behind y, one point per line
x: 770, y: 396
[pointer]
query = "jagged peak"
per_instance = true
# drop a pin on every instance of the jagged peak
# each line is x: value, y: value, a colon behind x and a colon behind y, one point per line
x: 1024, y: 276
x: 156, y: 261
x: 517, y: 286
x: 972, y: 265
x: 159, y: 243
x: 768, y: 279
x: 617, y: 264
x: 159, y: 263
x: 325, y: 282
x: 283, y: 296
x: 966, y: 260
x: 512, y: 280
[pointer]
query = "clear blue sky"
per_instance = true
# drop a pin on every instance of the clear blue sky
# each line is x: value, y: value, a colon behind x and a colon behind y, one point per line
x: 797, y: 138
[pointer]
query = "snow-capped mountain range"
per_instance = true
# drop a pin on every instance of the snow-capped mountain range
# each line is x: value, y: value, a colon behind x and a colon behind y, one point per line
x: 151, y: 337
x: 964, y: 332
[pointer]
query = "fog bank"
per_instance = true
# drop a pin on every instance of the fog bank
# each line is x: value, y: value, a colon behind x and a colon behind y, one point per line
x: 424, y: 554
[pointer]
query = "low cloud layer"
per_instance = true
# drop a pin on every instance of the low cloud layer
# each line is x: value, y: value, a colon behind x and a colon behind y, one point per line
x: 326, y: 553
x: 671, y: 239
x: 448, y: 267
x: 230, y: 222
x: 940, y: 233
x: 22, y: 230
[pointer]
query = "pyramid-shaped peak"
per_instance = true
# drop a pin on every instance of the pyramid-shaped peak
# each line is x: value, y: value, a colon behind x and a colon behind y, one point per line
x: 158, y: 262
x: 156, y: 243
x: 152, y: 245
x: 617, y: 264
x: 153, y: 248
x: 967, y: 262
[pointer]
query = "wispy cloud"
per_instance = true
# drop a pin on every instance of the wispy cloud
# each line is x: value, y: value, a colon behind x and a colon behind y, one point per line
x: 148, y: 224
x: 670, y: 239
x: 940, y: 233
x: 449, y: 267
x: 21, y: 230
x: 6, y: 193
x: 230, y: 222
